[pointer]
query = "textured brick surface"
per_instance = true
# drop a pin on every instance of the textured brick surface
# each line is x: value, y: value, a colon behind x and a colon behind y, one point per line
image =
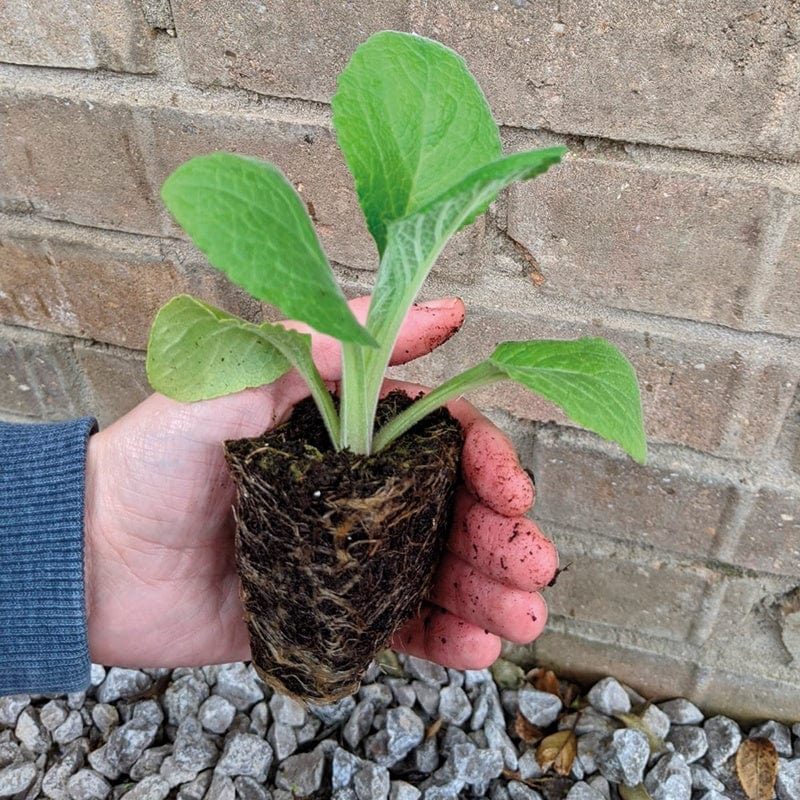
x: 112, y: 35
x: 783, y: 301
x: 748, y: 697
x: 770, y: 539
x: 650, y: 240
x: 39, y: 378
x: 587, y: 490
x: 713, y: 76
x: 75, y: 161
x: 116, y: 380
x: 277, y: 48
x: 649, y: 596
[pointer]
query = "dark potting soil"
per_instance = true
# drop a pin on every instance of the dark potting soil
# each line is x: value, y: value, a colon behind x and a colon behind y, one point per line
x: 335, y: 550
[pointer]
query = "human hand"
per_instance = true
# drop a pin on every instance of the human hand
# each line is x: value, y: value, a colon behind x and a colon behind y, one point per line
x: 162, y: 588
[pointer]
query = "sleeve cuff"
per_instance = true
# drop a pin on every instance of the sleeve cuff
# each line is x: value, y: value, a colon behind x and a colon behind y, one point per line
x: 43, y: 641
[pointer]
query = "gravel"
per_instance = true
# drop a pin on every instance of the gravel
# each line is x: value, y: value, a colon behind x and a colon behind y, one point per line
x: 217, y: 733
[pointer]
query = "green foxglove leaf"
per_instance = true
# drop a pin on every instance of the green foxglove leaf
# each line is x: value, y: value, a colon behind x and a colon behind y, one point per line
x: 197, y: 352
x: 411, y: 121
x: 251, y: 223
x: 589, y: 379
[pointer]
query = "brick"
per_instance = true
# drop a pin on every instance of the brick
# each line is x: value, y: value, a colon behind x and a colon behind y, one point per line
x: 649, y: 596
x: 588, y: 491
x: 76, y: 161
x: 645, y: 239
x: 770, y: 538
x: 712, y: 77
x: 307, y: 153
x: 276, y: 48
x: 39, y: 377
x: 783, y: 300
x: 116, y: 380
x: 655, y: 675
x: 67, y: 33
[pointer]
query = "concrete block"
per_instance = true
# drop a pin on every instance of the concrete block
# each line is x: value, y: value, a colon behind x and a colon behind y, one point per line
x: 671, y: 243
x: 747, y: 697
x: 277, y: 48
x: 110, y: 35
x: 770, y: 538
x: 782, y: 305
x: 715, y: 77
x: 41, y: 381
x: 76, y: 161
x: 116, y: 379
x: 586, y: 490
x: 604, y: 586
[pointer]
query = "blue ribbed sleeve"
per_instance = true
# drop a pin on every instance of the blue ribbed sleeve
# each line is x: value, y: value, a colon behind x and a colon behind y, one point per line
x: 43, y: 645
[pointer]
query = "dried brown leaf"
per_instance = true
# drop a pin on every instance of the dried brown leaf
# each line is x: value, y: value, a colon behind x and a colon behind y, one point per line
x: 546, y: 681
x: 637, y: 792
x: 558, y: 750
x: 757, y: 768
x: 434, y: 728
x: 526, y: 730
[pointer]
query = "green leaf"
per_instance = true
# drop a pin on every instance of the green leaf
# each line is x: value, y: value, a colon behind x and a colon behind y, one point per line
x: 411, y: 121
x: 251, y: 223
x: 197, y: 352
x: 589, y: 379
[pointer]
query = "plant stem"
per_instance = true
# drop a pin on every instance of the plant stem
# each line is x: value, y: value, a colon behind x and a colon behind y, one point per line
x: 356, y: 420
x: 470, y: 379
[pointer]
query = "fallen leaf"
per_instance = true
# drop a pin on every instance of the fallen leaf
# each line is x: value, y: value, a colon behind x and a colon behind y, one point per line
x: 546, y: 681
x: 637, y: 792
x: 390, y: 664
x: 434, y: 728
x: 526, y: 730
x: 757, y: 768
x: 558, y: 750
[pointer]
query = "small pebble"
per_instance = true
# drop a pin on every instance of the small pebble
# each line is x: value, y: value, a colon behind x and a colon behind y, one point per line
x: 776, y: 732
x: 724, y: 738
x: 371, y: 782
x: 583, y: 791
x: 788, y: 784
x: 622, y: 757
x: 609, y: 697
x: 245, y: 754
x: 689, y: 741
x: 454, y: 705
x: 682, y: 712
x: 17, y: 778
x: 405, y: 730
x: 302, y: 774
x: 86, y: 784
x: 670, y: 779
x: 539, y: 708
x: 287, y: 710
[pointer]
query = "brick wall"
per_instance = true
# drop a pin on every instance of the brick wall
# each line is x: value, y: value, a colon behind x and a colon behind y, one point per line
x: 673, y: 229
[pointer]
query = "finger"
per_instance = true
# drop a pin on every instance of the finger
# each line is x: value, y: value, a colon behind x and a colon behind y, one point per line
x: 466, y: 592
x: 511, y: 550
x: 439, y: 636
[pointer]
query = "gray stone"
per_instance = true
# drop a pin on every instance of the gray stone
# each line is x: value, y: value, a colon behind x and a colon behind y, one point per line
x: 476, y: 677
x: 216, y: 713
x: 376, y: 748
x: 371, y: 782
x: 703, y: 779
x: 587, y: 721
x: 54, y: 784
x: 127, y: 743
x: 150, y: 762
x: 11, y: 707
x: 86, y: 784
x: 589, y: 746
x: 122, y: 683
x: 282, y: 739
x: 287, y: 710
x: 480, y: 710
x: 776, y: 732
x: 713, y: 795
x: 250, y: 789
x: 152, y: 787
x: 400, y: 790
x: 600, y: 784
x: 245, y: 754
x: 309, y: 731
x: 334, y: 713
x: 52, y: 714
x: 519, y: 791
x: 359, y: 723
x: 670, y: 779
x: 788, y: 784
x: 427, y: 697
x: 499, y: 792
x: 98, y: 759
x: 498, y: 739
x: 426, y: 671
x: 70, y: 729
x: 724, y: 738
x: 379, y: 694
x: 302, y: 773
x: 404, y: 694
x: 623, y: 756
x: 476, y: 767
x: 689, y: 741
x: 509, y: 699
x: 239, y: 685
x: 657, y: 721
x: 444, y: 784
x: 682, y: 712
x: 528, y: 767
x: 344, y: 766
x: 17, y: 778
x: 105, y: 717
x: 405, y: 731
x: 608, y: 697
x: 183, y: 697
x: 175, y: 774
x: 583, y: 791
x: 426, y: 757
x: 221, y: 788
x: 148, y: 711
x: 539, y: 708
x: 454, y: 705
x: 196, y: 788
x: 193, y: 748
x: 31, y: 732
